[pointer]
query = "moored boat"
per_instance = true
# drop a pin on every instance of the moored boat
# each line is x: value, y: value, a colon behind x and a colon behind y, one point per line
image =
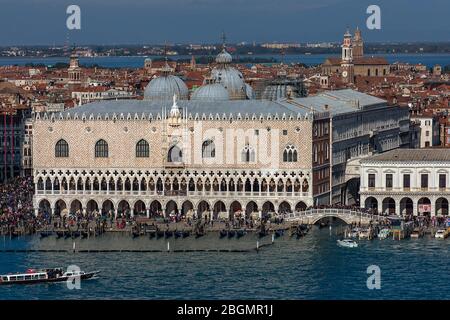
x: 231, y: 233
x: 178, y: 234
x: 240, y: 233
x: 186, y: 234
x: 222, y: 234
x: 384, y: 233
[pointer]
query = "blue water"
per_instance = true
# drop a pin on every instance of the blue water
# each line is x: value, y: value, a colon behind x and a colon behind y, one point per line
x: 313, y: 267
x: 138, y: 61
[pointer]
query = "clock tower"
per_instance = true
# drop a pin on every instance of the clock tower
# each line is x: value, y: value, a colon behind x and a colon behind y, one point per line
x: 347, y: 67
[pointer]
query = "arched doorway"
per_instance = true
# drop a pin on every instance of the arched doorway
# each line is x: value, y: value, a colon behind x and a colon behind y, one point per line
x: 108, y: 207
x: 171, y: 208
x: 123, y: 208
x: 250, y: 208
x: 388, y: 206
x: 139, y: 208
x: 75, y: 207
x: 371, y: 204
x: 44, y: 206
x: 406, y: 206
x: 155, y: 209
x: 186, y: 207
x: 268, y: 207
x: 442, y: 206
x: 219, y: 207
x: 60, y: 208
x: 91, y: 206
x: 301, y: 206
x: 235, y: 207
x: 202, y: 207
x: 424, y: 206
x: 284, y: 208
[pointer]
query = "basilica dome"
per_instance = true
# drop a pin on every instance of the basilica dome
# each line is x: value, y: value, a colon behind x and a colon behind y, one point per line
x: 230, y: 78
x: 165, y: 87
x: 211, y: 92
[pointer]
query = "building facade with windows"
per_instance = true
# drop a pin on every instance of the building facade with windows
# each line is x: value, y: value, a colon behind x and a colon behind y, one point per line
x: 407, y: 181
x: 162, y: 157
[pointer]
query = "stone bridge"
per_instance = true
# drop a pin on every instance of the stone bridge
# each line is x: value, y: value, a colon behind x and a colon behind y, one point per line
x: 312, y: 216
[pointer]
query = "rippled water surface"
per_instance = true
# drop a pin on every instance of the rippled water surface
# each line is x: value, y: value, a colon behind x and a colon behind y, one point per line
x: 313, y: 267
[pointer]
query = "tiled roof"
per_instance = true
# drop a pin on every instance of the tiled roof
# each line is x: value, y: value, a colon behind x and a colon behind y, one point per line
x: 416, y: 155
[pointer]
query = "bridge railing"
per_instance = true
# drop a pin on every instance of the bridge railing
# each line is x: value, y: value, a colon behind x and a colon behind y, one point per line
x: 310, y: 213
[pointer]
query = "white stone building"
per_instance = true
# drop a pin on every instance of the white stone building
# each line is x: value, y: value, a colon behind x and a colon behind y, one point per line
x: 407, y: 181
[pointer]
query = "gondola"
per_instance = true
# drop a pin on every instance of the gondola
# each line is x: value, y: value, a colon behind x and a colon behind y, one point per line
x: 135, y: 234
x: 168, y: 234
x: 279, y: 233
x: 59, y: 234
x: 84, y: 234
x: 67, y: 235
x: 186, y: 234
x: 240, y: 233
x: 152, y: 234
x: 177, y: 234
x: 262, y: 234
x: 231, y: 233
x: 222, y: 234
x: 300, y: 234
x: 159, y: 234
x: 45, y: 234
x: 14, y: 234
x: 199, y: 235
x: 75, y: 234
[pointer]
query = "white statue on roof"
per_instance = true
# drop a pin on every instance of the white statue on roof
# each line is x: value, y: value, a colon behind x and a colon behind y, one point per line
x: 175, y: 110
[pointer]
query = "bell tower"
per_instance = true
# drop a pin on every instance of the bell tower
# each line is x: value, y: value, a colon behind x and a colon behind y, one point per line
x: 347, y: 67
x: 358, y: 44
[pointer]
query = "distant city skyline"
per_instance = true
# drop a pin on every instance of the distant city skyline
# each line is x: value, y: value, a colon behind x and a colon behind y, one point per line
x: 114, y: 22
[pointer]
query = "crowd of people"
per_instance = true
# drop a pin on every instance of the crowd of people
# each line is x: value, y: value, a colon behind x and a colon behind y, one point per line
x: 16, y: 206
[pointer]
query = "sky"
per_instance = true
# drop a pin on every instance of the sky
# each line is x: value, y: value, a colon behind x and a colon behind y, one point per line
x: 113, y: 22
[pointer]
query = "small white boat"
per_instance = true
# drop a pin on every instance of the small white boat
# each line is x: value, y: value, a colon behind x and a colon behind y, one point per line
x: 349, y: 243
x: 384, y: 233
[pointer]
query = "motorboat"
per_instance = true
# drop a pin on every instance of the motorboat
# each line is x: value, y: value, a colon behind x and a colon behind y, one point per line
x: 32, y: 276
x: 384, y: 233
x: 348, y: 243
x: 441, y: 234
x: 417, y: 233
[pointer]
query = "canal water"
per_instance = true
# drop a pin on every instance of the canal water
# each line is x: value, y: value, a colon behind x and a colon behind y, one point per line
x: 313, y: 267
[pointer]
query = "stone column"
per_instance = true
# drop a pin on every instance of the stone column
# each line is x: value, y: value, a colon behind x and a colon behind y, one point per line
x: 415, y: 207
x: 397, y: 207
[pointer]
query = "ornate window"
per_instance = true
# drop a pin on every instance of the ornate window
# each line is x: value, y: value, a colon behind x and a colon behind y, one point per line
x: 175, y: 154
x: 142, y: 149
x: 208, y: 149
x: 62, y: 149
x: 248, y: 154
x: 290, y: 154
x: 101, y: 149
